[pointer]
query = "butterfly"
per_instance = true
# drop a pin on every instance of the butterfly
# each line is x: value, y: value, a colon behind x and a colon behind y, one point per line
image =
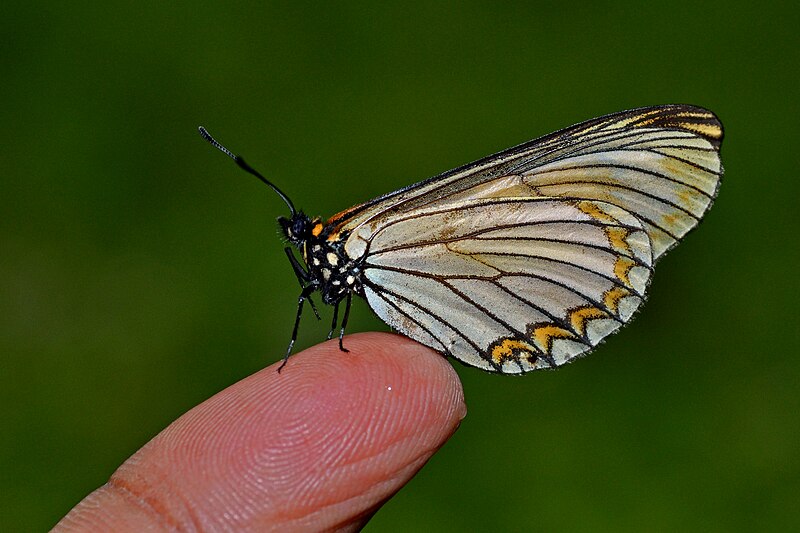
x: 525, y: 259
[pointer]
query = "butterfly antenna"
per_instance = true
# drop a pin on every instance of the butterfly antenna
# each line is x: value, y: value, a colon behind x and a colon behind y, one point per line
x: 247, y: 168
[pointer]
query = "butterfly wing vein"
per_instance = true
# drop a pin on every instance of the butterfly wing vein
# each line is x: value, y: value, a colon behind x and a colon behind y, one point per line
x: 510, y: 285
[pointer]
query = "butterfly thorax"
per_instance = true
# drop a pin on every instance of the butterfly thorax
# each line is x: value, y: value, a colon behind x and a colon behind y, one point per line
x: 329, y: 269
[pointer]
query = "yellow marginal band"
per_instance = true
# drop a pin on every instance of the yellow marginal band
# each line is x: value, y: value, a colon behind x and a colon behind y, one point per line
x: 612, y: 297
x: 578, y: 317
x: 508, y: 347
x: 616, y: 237
x: 544, y: 335
x: 622, y: 268
x: 709, y: 130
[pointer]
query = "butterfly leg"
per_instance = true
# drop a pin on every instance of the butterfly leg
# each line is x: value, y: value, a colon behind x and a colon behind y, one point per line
x: 302, y: 276
x: 303, y: 297
x: 335, y: 319
x: 344, y: 321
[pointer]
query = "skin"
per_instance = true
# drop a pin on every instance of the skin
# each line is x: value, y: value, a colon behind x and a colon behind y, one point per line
x: 320, y: 446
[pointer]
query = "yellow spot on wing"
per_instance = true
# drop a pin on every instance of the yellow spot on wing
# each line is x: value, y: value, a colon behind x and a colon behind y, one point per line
x: 578, y: 317
x: 639, y: 119
x: 544, y: 335
x: 709, y: 130
x: 689, y: 198
x: 694, y: 114
x: 671, y: 221
x: 672, y: 166
x: 622, y: 268
x: 616, y: 237
x: 612, y: 297
x: 594, y: 211
x: 509, y: 347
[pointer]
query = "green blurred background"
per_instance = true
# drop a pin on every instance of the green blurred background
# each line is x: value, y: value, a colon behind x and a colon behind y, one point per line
x: 141, y: 272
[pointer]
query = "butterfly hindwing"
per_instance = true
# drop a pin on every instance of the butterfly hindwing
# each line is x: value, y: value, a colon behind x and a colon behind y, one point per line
x: 509, y: 284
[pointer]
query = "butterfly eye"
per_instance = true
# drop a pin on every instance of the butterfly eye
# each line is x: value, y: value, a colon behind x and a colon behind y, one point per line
x: 286, y: 226
x: 300, y: 228
x: 295, y: 228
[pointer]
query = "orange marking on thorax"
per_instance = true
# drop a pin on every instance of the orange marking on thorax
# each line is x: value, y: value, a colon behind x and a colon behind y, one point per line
x: 317, y: 229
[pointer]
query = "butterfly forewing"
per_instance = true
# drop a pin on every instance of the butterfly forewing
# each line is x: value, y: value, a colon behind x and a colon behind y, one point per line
x: 660, y: 164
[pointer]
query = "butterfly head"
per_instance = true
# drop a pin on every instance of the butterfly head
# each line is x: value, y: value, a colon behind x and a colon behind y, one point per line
x: 297, y: 228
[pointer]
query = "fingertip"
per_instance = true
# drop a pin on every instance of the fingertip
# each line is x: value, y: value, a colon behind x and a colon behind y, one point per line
x: 322, y: 444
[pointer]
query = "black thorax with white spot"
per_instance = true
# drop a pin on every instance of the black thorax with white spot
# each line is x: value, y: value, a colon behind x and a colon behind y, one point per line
x: 330, y: 269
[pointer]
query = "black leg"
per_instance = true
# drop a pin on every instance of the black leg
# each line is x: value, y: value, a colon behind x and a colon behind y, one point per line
x: 335, y: 319
x: 303, y: 297
x: 302, y: 276
x: 344, y: 321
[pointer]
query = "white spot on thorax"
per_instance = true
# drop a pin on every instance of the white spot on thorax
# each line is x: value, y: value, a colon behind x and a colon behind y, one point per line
x: 332, y: 258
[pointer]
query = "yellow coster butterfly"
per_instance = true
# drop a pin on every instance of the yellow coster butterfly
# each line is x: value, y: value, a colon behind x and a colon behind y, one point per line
x: 525, y: 259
